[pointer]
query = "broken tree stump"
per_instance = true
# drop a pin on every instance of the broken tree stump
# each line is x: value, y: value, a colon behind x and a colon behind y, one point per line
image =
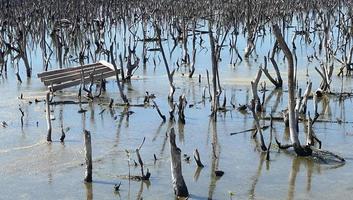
x: 197, y: 158
x: 179, y: 186
x: 48, y: 116
x: 88, y: 156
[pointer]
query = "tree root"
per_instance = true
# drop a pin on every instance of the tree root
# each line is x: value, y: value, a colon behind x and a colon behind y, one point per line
x: 323, y: 156
x: 283, y: 146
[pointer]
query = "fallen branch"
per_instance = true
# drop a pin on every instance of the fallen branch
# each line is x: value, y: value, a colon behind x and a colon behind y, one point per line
x: 159, y: 112
x: 249, y: 130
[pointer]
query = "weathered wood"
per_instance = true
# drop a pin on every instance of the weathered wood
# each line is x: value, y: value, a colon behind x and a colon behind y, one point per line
x: 214, y: 59
x: 121, y: 91
x: 159, y: 111
x: 88, y: 156
x: 47, y: 110
x: 66, y: 70
x: 77, y: 82
x: 107, y: 64
x: 254, y: 86
x: 307, y: 92
x: 169, y: 73
x: 197, y: 158
x: 64, y: 78
x: 251, y: 129
x: 74, y: 76
x: 257, y: 124
x: 270, y: 143
x: 73, y: 72
x: 291, y: 94
x: 179, y: 186
x: 181, y: 108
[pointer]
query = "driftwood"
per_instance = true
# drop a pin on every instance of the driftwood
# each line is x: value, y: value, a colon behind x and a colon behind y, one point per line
x: 67, y: 102
x: 250, y: 130
x: 179, y: 186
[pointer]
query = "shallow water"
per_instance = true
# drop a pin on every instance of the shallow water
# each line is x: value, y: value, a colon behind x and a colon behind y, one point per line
x: 33, y: 169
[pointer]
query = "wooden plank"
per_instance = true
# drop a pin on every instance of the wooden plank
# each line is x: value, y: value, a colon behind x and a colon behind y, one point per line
x: 56, y: 71
x: 77, y: 82
x: 105, y: 63
x: 76, y: 70
x: 74, y: 76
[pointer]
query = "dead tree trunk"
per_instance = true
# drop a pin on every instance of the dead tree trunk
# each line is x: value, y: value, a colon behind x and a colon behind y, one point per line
x: 48, y: 116
x: 122, y: 95
x: 276, y: 82
x: 307, y: 92
x: 257, y: 124
x: 88, y: 156
x: 291, y: 95
x: 181, y: 108
x: 215, y: 98
x: 170, y: 74
x: 192, y: 66
x: 254, y: 86
x: 179, y: 186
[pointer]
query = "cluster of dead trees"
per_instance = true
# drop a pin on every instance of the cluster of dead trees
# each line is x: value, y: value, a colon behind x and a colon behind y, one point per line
x: 78, y: 31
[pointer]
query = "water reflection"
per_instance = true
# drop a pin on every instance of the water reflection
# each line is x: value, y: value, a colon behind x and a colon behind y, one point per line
x: 256, y: 177
x: 181, y: 127
x: 297, y: 163
x: 197, y: 173
x: 89, y: 191
x: 215, y: 158
x: 140, y: 191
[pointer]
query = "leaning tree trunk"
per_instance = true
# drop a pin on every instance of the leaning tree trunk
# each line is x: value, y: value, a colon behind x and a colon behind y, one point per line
x: 170, y: 74
x: 291, y: 95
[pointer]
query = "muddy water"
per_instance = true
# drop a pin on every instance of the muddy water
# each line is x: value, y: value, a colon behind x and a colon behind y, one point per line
x: 33, y: 169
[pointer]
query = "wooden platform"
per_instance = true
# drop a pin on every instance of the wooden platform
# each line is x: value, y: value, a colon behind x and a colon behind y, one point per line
x: 64, y: 78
